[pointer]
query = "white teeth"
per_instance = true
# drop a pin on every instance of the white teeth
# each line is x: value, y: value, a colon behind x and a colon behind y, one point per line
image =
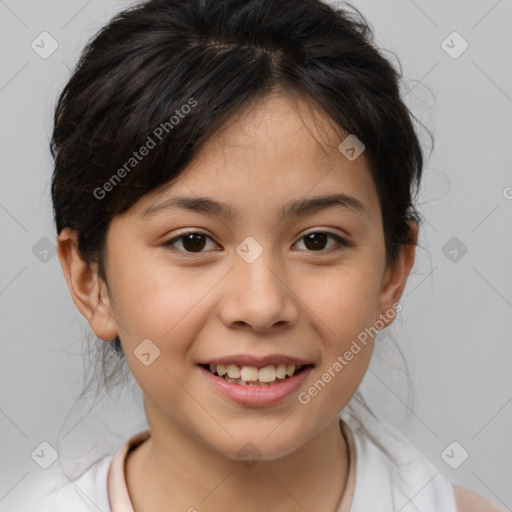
x: 249, y: 373
x: 267, y: 374
x: 290, y: 369
x: 281, y: 371
x: 221, y: 369
x: 246, y: 374
x: 233, y: 371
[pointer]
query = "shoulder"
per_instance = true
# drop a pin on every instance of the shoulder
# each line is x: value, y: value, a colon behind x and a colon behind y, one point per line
x: 470, y: 501
x: 390, y: 469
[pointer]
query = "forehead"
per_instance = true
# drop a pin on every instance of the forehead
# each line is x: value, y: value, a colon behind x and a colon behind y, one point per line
x: 277, y: 150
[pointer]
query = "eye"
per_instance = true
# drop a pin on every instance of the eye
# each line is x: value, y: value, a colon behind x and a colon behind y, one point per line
x: 193, y: 242
x: 315, y: 240
x: 190, y: 241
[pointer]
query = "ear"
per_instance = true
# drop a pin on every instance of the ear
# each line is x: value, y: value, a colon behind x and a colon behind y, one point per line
x: 87, y: 289
x: 395, y: 277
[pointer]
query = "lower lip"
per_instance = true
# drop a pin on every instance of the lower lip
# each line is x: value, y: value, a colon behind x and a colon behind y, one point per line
x: 254, y: 395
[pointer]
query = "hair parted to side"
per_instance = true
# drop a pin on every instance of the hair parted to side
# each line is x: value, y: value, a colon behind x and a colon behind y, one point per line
x: 151, y: 60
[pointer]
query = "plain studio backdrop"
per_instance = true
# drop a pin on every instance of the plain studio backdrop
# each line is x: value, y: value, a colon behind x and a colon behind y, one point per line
x: 456, y: 323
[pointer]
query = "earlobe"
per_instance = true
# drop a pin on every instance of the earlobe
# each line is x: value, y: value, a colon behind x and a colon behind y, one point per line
x: 396, y: 276
x: 87, y: 289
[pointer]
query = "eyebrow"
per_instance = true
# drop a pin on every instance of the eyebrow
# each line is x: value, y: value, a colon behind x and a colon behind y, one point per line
x: 298, y: 208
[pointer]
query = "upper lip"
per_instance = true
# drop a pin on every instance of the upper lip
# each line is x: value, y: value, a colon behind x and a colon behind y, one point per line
x: 259, y: 362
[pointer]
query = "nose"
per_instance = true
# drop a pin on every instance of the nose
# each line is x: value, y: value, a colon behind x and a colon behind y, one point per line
x: 257, y: 295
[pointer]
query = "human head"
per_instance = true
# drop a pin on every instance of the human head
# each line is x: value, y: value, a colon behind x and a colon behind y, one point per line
x: 151, y: 61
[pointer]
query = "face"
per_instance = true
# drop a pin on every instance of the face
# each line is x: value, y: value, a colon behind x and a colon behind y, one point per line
x: 255, y: 283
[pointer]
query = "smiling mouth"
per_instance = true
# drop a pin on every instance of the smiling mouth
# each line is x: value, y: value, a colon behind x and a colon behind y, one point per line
x: 251, y: 376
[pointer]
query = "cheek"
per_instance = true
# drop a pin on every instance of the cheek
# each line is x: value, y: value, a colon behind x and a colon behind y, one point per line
x: 163, y: 306
x: 156, y: 301
x: 344, y: 311
x: 345, y: 308
x: 346, y: 300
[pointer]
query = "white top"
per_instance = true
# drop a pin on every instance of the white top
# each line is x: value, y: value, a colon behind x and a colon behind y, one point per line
x: 375, y: 483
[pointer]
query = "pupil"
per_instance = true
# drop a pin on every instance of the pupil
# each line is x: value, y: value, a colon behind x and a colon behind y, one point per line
x: 192, y: 239
x: 312, y: 236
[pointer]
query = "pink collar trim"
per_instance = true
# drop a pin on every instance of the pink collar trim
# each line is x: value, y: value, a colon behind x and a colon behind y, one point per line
x: 118, y: 496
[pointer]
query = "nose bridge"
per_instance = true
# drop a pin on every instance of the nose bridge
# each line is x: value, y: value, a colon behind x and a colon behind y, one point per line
x: 255, y: 264
x: 257, y: 295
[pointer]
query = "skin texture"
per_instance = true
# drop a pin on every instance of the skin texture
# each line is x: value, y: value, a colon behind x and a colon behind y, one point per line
x: 296, y: 298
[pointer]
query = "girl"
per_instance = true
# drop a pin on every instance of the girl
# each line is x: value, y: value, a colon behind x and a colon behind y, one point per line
x: 233, y: 194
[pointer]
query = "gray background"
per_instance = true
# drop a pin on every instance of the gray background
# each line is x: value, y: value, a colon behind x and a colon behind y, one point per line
x: 456, y: 323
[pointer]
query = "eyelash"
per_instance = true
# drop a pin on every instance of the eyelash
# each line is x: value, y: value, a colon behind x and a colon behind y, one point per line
x: 342, y: 243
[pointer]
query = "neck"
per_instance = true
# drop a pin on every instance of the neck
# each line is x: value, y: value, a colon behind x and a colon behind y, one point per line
x: 173, y: 471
